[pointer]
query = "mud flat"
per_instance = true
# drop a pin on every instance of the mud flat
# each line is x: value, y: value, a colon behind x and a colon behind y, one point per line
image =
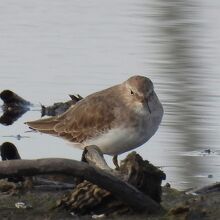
x: 178, y: 205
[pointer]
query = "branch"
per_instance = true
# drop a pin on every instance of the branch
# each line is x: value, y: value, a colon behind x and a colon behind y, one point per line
x: 122, y: 190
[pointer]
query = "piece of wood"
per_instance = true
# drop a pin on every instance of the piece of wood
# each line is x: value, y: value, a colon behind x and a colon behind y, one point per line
x: 122, y: 190
x: 94, y: 156
x: 87, y: 198
x: 215, y: 187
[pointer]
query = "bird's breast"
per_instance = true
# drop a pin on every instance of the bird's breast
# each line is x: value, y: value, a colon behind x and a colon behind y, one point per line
x: 125, y: 137
x: 131, y: 129
x: 116, y: 141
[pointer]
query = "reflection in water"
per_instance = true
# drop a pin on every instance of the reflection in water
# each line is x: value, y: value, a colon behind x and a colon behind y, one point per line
x: 10, y: 116
x: 177, y: 28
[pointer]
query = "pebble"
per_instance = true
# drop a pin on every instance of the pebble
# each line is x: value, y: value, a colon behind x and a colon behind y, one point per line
x: 22, y: 205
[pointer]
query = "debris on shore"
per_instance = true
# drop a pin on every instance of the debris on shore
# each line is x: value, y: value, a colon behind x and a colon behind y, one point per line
x: 84, y: 199
x: 134, y: 188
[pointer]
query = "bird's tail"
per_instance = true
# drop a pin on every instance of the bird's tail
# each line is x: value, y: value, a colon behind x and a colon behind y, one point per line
x: 43, y: 125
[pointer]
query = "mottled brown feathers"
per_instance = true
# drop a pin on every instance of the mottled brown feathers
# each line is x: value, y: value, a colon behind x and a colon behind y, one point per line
x: 85, y: 119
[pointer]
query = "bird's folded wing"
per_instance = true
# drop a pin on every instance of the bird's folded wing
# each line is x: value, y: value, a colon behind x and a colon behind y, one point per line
x: 83, y: 120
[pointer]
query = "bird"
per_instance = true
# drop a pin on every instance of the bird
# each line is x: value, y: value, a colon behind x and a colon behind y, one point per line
x: 116, y: 120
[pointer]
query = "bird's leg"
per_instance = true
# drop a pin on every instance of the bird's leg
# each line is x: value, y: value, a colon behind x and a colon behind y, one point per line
x: 115, y: 161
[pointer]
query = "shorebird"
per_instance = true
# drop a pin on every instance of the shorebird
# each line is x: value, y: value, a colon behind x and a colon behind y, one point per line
x: 117, y: 119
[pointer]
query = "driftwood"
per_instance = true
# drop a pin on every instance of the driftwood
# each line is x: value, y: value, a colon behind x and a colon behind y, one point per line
x: 215, y: 187
x: 88, y: 198
x: 122, y: 190
x: 128, y: 194
x: 94, y: 157
x: 8, y: 151
x: 99, y: 189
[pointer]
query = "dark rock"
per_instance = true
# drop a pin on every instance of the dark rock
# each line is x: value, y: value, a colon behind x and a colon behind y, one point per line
x: 59, y: 107
x: 12, y: 100
x: 13, y: 107
x: 168, y: 185
x: 179, y: 210
x: 208, y: 151
x: 9, y: 152
x: 56, y: 109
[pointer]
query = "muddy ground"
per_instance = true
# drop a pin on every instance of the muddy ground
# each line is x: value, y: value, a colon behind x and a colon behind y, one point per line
x: 177, y: 205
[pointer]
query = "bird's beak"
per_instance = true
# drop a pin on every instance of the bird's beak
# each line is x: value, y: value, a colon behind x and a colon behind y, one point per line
x: 147, y: 101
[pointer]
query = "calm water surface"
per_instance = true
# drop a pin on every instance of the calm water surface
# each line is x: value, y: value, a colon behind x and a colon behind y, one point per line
x: 49, y: 49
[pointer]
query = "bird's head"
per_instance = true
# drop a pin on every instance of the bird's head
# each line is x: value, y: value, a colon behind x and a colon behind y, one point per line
x: 138, y: 90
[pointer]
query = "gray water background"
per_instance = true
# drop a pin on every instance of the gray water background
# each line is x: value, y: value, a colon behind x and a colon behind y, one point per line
x: 52, y: 48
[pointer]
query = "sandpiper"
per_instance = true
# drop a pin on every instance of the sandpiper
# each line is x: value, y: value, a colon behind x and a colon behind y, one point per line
x: 117, y: 119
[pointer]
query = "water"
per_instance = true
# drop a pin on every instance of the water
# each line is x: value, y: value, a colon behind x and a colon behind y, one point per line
x: 49, y: 49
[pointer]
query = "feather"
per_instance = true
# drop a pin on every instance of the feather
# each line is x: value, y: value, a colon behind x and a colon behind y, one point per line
x: 85, y: 119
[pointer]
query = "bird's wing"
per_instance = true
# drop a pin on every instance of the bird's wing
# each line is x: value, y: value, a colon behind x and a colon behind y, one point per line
x: 87, y: 118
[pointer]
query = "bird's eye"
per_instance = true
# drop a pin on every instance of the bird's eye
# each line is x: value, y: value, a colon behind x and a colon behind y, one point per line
x: 132, y: 93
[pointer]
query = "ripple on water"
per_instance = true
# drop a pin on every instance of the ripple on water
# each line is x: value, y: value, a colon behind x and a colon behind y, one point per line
x: 201, y: 153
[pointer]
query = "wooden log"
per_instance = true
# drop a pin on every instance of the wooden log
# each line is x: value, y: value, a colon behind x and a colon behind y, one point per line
x: 87, y: 198
x: 122, y: 190
x: 94, y: 156
x: 215, y: 187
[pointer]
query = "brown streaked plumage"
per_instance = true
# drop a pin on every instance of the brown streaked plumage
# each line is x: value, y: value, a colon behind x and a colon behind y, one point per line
x: 82, y: 121
x: 116, y: 119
